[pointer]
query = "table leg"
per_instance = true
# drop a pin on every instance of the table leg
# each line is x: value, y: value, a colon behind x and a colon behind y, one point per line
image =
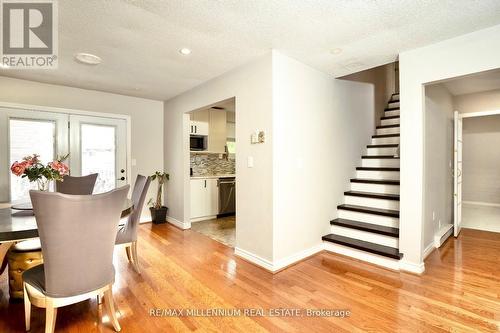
x: 4, y: 247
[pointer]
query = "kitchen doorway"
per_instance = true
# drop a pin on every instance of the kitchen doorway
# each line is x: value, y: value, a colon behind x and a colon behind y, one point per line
x: 212, y: 170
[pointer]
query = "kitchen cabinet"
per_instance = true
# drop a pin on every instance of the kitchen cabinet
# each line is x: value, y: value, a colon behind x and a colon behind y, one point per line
x: 198, y: 128
x: 217, y: 131
x: 199, y: 122
x: 204, y: 198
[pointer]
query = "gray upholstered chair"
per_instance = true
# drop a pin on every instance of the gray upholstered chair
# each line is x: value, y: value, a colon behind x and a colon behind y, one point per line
x: 77, y: 185
x: 127, y: 234
x: 77, y: 233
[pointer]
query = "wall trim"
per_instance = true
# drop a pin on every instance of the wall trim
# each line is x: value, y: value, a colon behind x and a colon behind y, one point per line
x: 254, y: 259
x: 283, y: 263
x: 442, y: 235
x: 412, y: 267
x: 179, y: 224
x: 203, y: 218
x: 429, y: 248
x: 481, y: 203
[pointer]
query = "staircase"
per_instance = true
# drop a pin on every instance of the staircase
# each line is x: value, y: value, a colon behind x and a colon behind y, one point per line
x: 367, y: 226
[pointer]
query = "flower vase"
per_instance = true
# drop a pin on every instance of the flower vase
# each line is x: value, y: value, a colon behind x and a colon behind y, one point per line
x: 43, y: 184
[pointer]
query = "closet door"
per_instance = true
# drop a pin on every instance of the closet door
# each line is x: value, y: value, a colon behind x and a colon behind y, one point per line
x: 99, y: 145
x: 27, y: 132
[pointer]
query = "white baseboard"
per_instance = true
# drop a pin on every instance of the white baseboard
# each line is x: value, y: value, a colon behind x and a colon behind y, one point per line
x: 179, y: 224
x: 362, y: 255
x: 204, y: 218
x: 278, y: 264
x: 428, y: 249
x: 287, y: 261
x: 253, y: 258
x: 442, y: 235
x: 411, y: 267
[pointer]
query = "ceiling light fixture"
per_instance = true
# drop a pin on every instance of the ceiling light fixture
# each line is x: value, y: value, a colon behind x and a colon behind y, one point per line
x: 336, y: 50
x: 87, y: 59
x: 185, y: 51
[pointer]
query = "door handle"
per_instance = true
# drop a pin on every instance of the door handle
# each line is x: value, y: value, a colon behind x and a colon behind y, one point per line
x: 121, y: 178
x: 195, y: 129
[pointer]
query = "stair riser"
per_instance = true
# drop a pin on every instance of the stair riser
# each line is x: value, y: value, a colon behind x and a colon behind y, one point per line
x: 391, y: 113
x: 390, y: 130
x: 380, y: 162
x: 394, y: 121
x: 364, y: 174
x: 382, y: 141
x: 381, y: 151
x: 371, y: 202
x: 365, y: 236
x: 362, y: 255
x: 369, y: 218
x: 375, y: 188
x: 393, y: 105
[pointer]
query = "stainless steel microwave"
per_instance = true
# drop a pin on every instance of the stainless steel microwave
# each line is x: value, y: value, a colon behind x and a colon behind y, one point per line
x: 197, y: 142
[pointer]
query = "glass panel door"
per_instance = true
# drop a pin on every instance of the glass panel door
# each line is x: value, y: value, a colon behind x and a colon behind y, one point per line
x: 98, y: 145
x: 28, y: 137
x: 27, y: 132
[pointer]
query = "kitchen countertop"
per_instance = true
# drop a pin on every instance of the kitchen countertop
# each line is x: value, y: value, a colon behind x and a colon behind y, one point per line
x: 213, y: 176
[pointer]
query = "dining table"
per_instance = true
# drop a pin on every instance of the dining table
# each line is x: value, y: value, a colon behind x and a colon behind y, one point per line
x: 18, y: 223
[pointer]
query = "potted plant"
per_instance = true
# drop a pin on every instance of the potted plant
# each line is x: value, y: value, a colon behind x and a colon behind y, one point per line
x: 158, y: 211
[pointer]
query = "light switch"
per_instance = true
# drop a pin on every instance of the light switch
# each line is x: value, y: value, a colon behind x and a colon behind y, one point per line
x: 250, y: 161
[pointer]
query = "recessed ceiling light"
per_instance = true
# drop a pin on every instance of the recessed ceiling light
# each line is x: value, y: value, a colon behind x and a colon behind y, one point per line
x: 336, y: 50
x: 185, y: 51
x: 88, y: 59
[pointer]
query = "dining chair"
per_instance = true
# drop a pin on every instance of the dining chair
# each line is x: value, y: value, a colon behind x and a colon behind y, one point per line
x: 77, y: 185
x: 127, y: 234
x: 77, y: 234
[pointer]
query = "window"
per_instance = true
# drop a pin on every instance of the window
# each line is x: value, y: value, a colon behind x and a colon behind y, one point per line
x: 98, y: 155
x: 26, y: 137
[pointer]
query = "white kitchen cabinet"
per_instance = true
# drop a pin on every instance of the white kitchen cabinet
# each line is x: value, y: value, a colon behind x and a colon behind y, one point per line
x: 198, y: 128
x: 218, y: 132
x: 204, y: 198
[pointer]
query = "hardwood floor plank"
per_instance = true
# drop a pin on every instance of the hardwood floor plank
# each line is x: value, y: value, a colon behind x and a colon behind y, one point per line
x: 460, y: 290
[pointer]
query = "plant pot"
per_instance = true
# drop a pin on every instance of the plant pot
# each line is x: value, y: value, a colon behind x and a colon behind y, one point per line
x: 158, y: 215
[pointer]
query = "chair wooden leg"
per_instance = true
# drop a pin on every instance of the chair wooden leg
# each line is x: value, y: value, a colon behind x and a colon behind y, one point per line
x: 108, y: 295
x: 50, y: 317
x: 100, y: 298
x: 27, y: 309
x: 127, y: 249
x: 135, y: 258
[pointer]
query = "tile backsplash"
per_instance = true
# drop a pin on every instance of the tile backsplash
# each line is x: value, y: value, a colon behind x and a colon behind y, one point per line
x: 210, y: 164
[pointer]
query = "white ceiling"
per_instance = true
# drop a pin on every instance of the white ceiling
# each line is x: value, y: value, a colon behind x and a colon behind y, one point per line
x: 139, y: 39
x: 474, y: 83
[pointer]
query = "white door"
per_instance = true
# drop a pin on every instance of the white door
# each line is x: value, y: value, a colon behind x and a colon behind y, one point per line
x: 457, y: 172
x: 23, y: 133
x: 99, y: 145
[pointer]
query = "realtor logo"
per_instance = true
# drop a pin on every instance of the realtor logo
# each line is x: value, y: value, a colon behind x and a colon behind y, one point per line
x: 29, y: 34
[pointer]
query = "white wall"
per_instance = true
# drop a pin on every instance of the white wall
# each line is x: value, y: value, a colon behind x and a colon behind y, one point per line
x: 383, y: 80
x: 252, y: 88
x: 467, y: 54
x: 481, y: 159
x: 321, y: 127
x: 439, y: 127
x: 481, y: 178
x: 146, y: 116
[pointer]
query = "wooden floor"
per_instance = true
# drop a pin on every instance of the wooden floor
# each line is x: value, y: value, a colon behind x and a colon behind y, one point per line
x: 460, y: 290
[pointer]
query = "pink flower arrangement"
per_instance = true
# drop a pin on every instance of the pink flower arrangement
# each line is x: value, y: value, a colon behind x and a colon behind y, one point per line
x: 34, y: 170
